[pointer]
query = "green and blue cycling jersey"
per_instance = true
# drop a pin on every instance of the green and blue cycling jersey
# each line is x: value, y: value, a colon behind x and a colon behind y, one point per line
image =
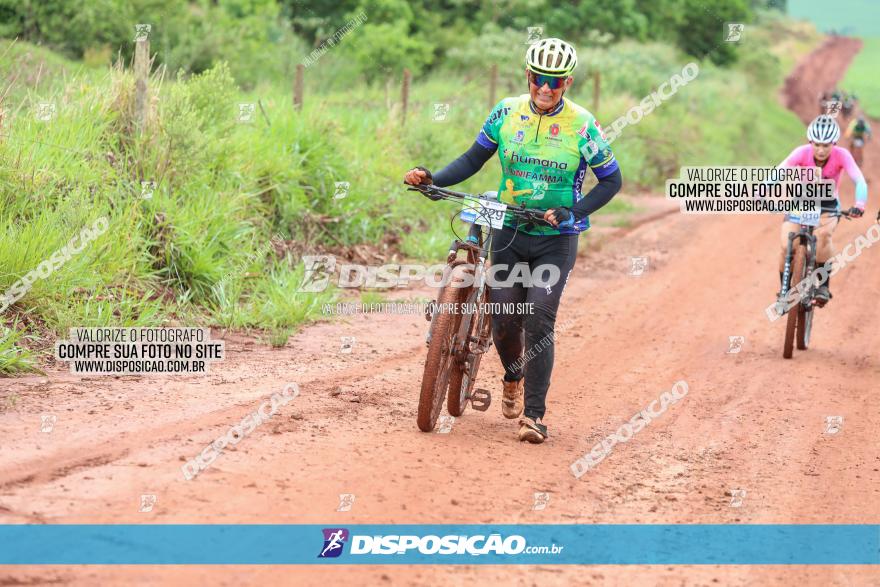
x: 544, y: 157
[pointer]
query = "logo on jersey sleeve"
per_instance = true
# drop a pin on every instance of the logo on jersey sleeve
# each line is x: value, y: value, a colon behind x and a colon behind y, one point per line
x: 590, y: 150
x: 585, y: 130
x: 334, y: 540
x: 499, y: 113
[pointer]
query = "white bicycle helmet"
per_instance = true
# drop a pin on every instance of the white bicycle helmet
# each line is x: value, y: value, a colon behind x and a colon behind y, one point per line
x: 551, y: 57
x: 823, y: 129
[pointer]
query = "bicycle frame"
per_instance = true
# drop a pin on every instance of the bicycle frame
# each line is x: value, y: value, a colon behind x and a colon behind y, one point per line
x: 805, y: 234
x: 476, y: 248
x: 477, y: 258
x: 470, y: 341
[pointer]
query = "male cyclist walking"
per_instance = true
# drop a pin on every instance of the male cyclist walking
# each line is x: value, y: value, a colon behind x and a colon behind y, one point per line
x: 545, y: 143
x: 822, y: 151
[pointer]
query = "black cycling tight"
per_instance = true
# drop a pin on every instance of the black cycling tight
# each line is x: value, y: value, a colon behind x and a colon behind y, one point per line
x: 516, y: 335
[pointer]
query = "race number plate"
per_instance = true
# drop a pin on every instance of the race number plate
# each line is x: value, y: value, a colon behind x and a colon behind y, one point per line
x: 491, y: 214
x: 806, y: 218
x: 807, y: 215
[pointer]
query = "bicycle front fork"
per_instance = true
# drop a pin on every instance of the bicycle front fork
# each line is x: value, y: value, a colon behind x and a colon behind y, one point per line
x: 810, y: 261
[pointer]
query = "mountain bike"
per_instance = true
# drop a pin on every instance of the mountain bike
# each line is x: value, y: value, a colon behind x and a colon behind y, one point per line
x: 797, y: 297
x: 461, y: 325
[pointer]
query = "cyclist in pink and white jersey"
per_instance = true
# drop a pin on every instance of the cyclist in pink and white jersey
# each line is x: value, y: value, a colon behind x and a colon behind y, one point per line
x: 822, y: 151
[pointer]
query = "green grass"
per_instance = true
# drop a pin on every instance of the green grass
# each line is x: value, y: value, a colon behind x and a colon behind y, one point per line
x: 371, y: 297
x: 33, y: 69
x: 862, y: 78
x: 14, y: 358
x: 786, y: 40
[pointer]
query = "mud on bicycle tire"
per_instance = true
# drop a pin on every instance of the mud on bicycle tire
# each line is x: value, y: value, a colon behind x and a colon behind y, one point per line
x: 804, y: 321
x: 456, y: 402
x: 439, y: 364
x: 795, y: 314
x: 804, y: 325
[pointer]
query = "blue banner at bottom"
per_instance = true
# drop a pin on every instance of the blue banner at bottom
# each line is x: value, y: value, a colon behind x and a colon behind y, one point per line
x: 615, y: 544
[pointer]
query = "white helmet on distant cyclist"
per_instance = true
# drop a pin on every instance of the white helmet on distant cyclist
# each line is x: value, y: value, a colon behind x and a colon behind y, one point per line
x: 823, y: 129
x: 551, y: 57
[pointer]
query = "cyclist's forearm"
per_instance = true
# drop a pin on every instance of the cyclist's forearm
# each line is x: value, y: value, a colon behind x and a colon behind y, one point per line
x: 470, y: 162
x: 855, y: 174
x: 600, y: 195
x: 861, y: 194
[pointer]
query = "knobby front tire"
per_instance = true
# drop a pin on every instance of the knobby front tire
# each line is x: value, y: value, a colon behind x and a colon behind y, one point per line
x: 804, y: 325
x: 457, y: 400
x: 440, y: 364
x: 795, y: 314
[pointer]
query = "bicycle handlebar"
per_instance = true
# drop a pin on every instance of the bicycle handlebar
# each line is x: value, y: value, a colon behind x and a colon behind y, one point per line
x: 529, y: 214
x: 838, y: 213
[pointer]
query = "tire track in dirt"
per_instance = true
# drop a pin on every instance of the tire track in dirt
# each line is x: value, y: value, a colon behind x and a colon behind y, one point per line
x: 63, y: 463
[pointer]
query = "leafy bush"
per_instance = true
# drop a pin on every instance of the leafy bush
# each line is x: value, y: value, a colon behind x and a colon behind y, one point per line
x: 249, y: 35
x: 493, y: 46
x: 703, y: 31
x: 264, y: 39
x: 386, y: 49
x: 72, y: 26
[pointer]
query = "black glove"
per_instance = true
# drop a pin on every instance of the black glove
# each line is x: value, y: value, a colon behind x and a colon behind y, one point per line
x: 427, y: 172
x: 856, y: 212
x: 430, y: 179
x: 564, y: 217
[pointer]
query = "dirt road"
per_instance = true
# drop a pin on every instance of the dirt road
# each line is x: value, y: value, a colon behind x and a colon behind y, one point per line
x: 751, y: 420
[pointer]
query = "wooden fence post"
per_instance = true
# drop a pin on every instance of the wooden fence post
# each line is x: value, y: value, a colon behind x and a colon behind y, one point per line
x: 596, y: 93
x: 298, y: 87
x: 493, y: 82
x: 404, y: 96
x: 142, y: 76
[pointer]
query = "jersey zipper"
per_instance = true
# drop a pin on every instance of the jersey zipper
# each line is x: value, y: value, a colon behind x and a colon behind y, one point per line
x: 538, y: 130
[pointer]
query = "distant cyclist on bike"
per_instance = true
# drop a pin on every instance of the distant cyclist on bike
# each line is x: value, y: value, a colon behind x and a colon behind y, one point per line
x: 859, y: 129
x: 545, y: 143
x: 858, y: 132
x: 822, y: 151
